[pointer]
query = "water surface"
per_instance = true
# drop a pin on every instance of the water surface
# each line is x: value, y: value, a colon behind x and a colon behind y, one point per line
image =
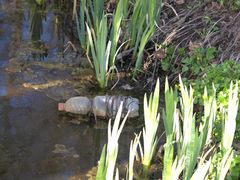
x: 36, y: 142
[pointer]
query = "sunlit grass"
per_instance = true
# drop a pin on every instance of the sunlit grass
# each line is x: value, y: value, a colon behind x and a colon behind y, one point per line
x: 230, y: 118
x: 191, y: 141
x: 151, y: 119
x: 188, y: 150
x: 109, y: 154
x: 132, y: 153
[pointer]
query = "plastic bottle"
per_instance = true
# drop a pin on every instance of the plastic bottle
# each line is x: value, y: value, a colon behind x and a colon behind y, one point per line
x: 101, y: 106
x: 107, y: 106
x: 76, y: 105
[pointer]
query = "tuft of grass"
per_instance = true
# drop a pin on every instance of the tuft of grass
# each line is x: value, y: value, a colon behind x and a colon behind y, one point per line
x: 145, y: 38
x: 100, y: 51
x: 108, y: 158
x: 142, y: 28
x: 151, y: 119
x: 195, y: 156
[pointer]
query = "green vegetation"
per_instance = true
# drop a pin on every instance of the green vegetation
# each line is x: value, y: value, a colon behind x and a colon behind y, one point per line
x: 200, y: 116
x: 109, y: 154
x: 151, y: 119
x: 198, y: 138
x: 116, y: 28
x: 100, y: 50
x: 81, y: 29
x: 138, y: 31
x: 234, y: 4
x: 197, y: 69
x: 188, y: 151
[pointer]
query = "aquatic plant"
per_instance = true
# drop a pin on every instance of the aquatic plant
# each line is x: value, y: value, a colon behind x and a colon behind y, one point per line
x: 142, y: 28
x: 108, y: 158
x: 118, y: 15
x: 132, y: 153
x: 96, y: 12
x: 100, y: 51
x: 144, y: 39
x: 169, y: 117
x: 81, y: 27
x: 151, y: 119
x: 188, y: 151
x: 230, y: 118
x: 191, y: 141
x: 222, y: 160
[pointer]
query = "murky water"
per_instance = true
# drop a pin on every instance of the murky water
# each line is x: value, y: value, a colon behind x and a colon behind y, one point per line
x: 36, y: 142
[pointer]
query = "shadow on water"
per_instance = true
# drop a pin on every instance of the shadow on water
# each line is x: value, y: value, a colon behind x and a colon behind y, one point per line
x: 35, y: 141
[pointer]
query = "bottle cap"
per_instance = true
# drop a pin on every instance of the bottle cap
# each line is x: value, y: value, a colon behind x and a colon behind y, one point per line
x: 61, y: 106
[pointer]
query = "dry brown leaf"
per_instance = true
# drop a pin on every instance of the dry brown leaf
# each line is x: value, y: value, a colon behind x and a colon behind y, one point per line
x: 160, y: 54
x: 194, y: 45
x: 179, y: 2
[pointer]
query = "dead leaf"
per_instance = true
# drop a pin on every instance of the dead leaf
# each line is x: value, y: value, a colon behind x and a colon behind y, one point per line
x: 179, y: 2
x: 160, y: 54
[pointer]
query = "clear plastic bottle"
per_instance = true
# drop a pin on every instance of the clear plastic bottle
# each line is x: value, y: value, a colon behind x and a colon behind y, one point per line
x: 101, y: 106
x: 107, y: 106
x: 76, y: 105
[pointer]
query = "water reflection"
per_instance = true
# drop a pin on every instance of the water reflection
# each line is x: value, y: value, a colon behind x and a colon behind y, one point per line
x: 36, y: 14
x: 3, y: 84
x: 30, y: 126
x: 42, y: 31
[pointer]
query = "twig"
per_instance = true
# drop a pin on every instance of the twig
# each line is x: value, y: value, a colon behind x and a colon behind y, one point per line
x: 175, y: 12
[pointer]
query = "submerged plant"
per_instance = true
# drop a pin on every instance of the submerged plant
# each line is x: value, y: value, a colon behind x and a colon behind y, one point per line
x: 40, y: 2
